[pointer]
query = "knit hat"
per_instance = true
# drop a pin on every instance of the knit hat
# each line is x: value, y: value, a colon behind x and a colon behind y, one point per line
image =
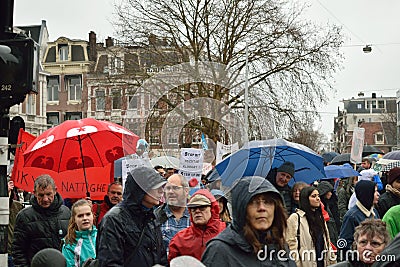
x: 365, y: 191
x: 394, y: 174
x: 324, y: 187
x: 287, y: 167
x: 48, y: 257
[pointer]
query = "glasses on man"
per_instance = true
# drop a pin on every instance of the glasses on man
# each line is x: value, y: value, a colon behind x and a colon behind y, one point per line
x: 201, y: 208
x: 374, y: 244
x: 173, y: 188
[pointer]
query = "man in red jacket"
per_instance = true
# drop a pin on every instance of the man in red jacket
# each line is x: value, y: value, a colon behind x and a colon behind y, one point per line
x: 113, y: 197
x: 205, y: 224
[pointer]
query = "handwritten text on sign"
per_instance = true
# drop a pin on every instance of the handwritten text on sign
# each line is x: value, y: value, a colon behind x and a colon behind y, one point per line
x: 191, y: 163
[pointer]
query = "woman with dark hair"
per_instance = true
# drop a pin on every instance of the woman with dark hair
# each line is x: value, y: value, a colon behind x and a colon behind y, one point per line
x: 307, y: 234
x: 256, y: 235
x: 325, y: 190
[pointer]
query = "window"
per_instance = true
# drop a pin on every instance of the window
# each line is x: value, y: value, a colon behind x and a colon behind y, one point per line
x: 100, y: 100
x: 30, y: 104
x: 116, y: 65
x: 63, y: 52
x: 133, y: 102
x: 359, y: 106
x: 116, y: 99
x: 172, y: 139
x: 53, y: 118
x: 381, y: 104
x: 73, y: 84
x: 52, y: 89
x: 73, y: 116
x: 371, y: 104
x: 379, y: 138
x: 154, y: 140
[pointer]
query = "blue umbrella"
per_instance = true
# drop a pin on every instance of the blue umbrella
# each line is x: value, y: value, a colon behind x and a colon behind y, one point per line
x: 340, y: 171
x: 256, y: 158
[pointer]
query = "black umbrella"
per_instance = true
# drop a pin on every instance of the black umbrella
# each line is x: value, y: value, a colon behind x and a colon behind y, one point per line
x: 341, y: 159
x: 392, y: 155
x: 368, y: 150
x: 329, y: 156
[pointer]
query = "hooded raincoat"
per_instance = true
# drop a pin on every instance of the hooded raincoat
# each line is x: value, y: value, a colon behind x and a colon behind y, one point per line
x: 230, y: 248
x: 121, y: 228
x: 192, y: 240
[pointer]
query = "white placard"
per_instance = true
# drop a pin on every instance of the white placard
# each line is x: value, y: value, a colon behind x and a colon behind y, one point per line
x: 225, y: 150
x: 357, y: 145
x: 191, y: 163
x: 131, y: 163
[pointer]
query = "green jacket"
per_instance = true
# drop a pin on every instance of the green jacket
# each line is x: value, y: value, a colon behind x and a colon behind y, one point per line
x: 391, y: 218
x: 84, y: 247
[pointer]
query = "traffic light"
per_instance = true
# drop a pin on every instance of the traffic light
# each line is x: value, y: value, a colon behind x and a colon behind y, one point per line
x: 17, y: 61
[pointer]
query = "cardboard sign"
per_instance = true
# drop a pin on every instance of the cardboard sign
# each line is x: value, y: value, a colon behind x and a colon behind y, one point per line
x: 131, y: 163
x: 357, y: 145
x: 225, y: 150
x: 191, y: 163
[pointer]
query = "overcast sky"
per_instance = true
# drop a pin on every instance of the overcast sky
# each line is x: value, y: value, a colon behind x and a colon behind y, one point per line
x: 364, y: 22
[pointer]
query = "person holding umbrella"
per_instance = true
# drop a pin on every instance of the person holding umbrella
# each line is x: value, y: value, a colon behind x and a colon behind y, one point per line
x: 280, y: 177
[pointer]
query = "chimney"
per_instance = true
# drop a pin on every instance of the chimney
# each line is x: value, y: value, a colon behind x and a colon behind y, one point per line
x: 92, y: 46
x: 373, y: 95
x: 360, y: 94
x: 109, y: 42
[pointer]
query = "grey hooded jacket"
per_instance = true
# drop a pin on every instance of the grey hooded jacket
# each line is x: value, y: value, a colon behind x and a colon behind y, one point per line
x: 230, y: 248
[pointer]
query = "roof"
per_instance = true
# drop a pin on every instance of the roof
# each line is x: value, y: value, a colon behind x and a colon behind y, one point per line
x: 32, y: 31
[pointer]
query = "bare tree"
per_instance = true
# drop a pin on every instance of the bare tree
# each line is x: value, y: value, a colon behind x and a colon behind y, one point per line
x: 290, y: 60
x: 307, y: 136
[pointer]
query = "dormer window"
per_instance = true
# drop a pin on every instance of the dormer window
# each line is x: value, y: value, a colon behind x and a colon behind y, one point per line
x: 379, y: 138
x: 63, y: 52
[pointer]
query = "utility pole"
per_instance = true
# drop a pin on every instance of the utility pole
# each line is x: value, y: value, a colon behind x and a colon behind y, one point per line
x: 16, y: 80
x: 6, y: 24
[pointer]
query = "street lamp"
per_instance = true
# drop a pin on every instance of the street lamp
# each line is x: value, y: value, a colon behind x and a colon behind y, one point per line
x: 367, y: 49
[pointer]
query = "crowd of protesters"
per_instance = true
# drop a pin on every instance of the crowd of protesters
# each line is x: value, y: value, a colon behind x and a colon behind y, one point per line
x: 159, y: 216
